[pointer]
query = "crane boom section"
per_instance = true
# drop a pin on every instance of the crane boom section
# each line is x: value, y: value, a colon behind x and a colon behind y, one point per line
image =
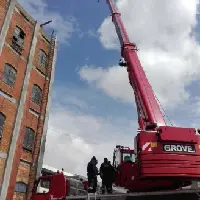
x: 148, y: 108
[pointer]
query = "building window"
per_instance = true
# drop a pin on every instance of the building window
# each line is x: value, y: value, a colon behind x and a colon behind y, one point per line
x: 9, y: 75
x: 18, y: 39
x: 2, y: 122
x: 42, y: 58
x: 21, y: 187
x: 36, y: 94
x: 29, y: 139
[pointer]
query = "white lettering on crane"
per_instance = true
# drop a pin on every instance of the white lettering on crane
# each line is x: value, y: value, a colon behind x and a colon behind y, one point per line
x: 179, y: 148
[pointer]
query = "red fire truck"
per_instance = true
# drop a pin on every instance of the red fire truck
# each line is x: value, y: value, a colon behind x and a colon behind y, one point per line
x: 57, y: 186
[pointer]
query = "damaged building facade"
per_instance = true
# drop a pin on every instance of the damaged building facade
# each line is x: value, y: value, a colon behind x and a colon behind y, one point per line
x: 27, y: 65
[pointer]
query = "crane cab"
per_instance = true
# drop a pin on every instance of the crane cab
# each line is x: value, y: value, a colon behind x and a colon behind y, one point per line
x: 124, y: 164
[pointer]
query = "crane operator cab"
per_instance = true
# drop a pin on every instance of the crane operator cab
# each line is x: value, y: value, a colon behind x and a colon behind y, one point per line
x: 124, y: 164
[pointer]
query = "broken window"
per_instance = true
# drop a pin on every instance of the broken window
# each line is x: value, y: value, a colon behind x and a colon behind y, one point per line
x: 2, y: 122
x: 29, y: 139
x: 42, y: 58
x: 9, y: 75
x: 36, y: 94
x: 18, y: 39
x: 21, y: 187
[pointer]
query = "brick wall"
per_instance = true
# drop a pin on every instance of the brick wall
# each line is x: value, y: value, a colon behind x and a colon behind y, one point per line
x: 43, y: 81
x: 19, y: 62
x: 3, y: 9
x: 33, y: 115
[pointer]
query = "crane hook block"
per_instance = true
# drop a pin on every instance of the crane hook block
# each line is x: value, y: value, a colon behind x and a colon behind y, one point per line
x: 122, y: 62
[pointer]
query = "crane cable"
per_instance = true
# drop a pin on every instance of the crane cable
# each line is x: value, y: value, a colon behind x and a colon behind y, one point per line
x: 164, y: 112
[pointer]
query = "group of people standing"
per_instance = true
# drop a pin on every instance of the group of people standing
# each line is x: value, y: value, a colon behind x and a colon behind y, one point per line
x: 106, y: 173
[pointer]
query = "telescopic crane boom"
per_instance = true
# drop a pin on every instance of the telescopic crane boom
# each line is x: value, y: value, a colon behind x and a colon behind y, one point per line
x: 149, y: 112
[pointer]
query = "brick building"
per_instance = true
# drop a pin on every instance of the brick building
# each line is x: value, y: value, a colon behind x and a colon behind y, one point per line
x: 27, y: 64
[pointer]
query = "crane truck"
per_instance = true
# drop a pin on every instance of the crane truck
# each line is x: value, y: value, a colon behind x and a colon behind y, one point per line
x: 164, y: 153
x: 165, y: 158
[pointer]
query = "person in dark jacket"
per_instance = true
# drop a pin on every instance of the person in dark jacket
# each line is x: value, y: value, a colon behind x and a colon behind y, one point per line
x: 112, y: 172
x: 106, y: 174
x: 92, y: 172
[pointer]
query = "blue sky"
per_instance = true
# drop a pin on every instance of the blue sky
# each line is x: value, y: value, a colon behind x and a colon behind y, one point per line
x: 93, y: 105
x: 84, y: 48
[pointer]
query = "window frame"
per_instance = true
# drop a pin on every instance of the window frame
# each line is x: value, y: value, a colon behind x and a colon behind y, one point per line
x: 132, y: 156
x: 3, y: 124
x: 6, y: 75
x: 39, y: 186
x: 27, y: 145
x: 21, y: 183
x: 35, y: 89
x: 42, y: 58
x: 18, y: 38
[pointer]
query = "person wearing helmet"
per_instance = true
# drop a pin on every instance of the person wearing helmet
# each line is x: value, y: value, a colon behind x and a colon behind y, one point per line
x: 92, y: 172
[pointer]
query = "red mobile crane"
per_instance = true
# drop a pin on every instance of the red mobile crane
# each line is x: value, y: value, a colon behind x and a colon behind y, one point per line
x: 165, y: 157
x: 162, y: 152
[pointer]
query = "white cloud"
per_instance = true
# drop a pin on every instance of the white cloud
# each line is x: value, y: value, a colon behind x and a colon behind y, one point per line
x: 92, y: 33
x: 75, y: 136
x: 63, y: 25
x: 197, y: 106
x: 113, y: 81
x: 194, y: 107
x: 170, y: 59
x: 168, y: 52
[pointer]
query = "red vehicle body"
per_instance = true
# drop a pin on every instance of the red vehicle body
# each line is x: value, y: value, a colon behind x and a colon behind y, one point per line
x: 128, y: 177
x: 162, y: 152
x: 57, y: 186
x: 85, y: 183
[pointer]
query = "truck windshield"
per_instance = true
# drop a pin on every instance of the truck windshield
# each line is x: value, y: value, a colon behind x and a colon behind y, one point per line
x: 128, y: 157
x: 43, y: 186
x: 76, y: 187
